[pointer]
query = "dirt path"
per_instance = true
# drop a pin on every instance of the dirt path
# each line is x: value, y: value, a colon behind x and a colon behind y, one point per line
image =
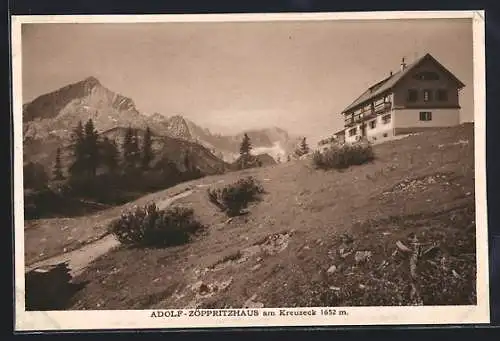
x: 80, y: 258
x: 167, y: 202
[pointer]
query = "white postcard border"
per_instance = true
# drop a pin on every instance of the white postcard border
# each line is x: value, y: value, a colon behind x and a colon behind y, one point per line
x: 347, y: 316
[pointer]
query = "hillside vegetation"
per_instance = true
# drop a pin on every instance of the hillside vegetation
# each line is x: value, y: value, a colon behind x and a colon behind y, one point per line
x: 399, y: 230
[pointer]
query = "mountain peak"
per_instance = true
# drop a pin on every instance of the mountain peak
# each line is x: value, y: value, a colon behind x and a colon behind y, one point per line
x: 177, y: 117
x: 178, y: 127
x: 157, y: 116
x: 91, y: 80
x: 80, y: 98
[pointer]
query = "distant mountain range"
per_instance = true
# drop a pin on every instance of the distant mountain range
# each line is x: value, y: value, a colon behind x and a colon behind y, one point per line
x: 49, y: 120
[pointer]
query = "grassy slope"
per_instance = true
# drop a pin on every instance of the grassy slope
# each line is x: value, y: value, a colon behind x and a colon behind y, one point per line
x: 45, y: 238
x: 314, y: 208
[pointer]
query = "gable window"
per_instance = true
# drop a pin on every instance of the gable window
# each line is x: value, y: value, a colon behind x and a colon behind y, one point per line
x: 386, y: 119
x: 412, y: 95
x: 425, y: 116
x: 442, y: 95
x: 427, y: 95
x: 426, y: 76
x: 352, y: 132
x: 373, y: 124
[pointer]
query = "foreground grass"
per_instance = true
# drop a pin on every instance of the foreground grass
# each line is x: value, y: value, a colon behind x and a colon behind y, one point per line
x: 279, y: 254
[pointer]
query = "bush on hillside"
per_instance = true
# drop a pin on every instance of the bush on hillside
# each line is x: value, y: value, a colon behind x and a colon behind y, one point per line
x: 232, y: 199
x: 343, y: 156
x: 250, y: 161
x: 119, y: 188
x: 35, y: 176
x: 37, y: 202
x: 150, y: 227
x: 45, y: 203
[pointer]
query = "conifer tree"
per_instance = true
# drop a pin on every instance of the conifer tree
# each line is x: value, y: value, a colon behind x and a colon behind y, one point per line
x: 136, y: 153
x: 246, y: 145
x: 58, y: 174
x: 128, y: 157
x: 77, y: 166
x: 109, y: 155
x: 78, y: 133
x: 91, y: 150
x: 147, y: 149
x: 187, y: 162
x: 245, y: 148
x: 304, y: 147
x: 34, y: 176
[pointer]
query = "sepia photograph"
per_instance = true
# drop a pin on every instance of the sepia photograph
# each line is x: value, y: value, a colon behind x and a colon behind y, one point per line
x: 279, y: 170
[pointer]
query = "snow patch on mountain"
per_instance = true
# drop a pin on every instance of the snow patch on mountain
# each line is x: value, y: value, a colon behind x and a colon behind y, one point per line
x: 276, y: 151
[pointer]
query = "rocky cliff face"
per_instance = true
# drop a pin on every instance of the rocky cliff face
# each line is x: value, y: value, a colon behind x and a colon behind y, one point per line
x: 176, y: 126
x: 273, y: 141
x: 174, y: 149
x: 55, y: 114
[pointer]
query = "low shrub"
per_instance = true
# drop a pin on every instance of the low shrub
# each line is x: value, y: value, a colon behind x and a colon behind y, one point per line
x: 232, y: 199
x: 343, y: 156
x: 148, y: 226
x: 34, y: 176
x: 52, y: 202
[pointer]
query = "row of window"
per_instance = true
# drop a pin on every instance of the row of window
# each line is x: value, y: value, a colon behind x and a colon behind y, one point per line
x: 386, y: 119
x: 358, y: 118
x: 424, y: 116
x: 379, y: 105
x: 427, y: 95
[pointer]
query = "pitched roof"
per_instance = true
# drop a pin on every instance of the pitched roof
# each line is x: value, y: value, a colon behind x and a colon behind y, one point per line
x: 389, y: 82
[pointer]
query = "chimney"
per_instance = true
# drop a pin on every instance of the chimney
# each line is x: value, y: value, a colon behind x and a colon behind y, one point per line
x: 390, y: 74
x: 403, y: 64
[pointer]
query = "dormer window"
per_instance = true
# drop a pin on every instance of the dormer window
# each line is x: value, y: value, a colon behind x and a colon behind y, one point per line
x: 426, y: 76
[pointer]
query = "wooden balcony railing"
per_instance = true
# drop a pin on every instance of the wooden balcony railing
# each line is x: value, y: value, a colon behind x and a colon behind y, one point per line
x: 377, y: 109
x: 368, y: 113
x: 349, y: 123
x: 382, y: 107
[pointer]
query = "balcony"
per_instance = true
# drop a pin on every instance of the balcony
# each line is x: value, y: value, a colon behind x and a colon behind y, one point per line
x: 377, y: 109
x: 382, y: 107
x: 368, y: 114
x: 349, y: 122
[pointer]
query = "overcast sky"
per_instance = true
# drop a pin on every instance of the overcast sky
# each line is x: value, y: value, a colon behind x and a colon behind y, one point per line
x: 230, y: 77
